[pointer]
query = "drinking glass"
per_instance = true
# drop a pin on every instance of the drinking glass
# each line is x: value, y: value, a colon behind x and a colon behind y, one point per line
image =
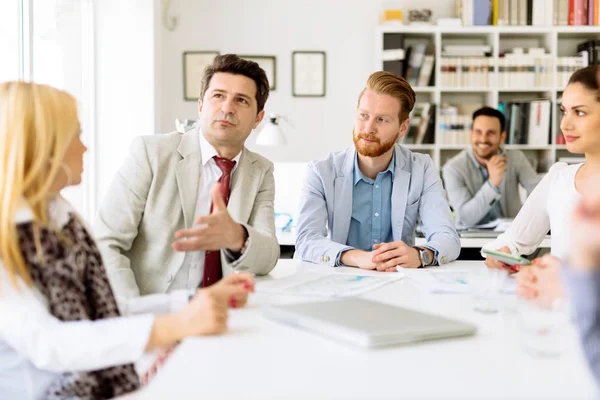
x: 486, y: 285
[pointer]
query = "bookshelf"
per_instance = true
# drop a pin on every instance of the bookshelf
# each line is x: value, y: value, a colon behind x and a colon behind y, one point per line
x: 557, y: 41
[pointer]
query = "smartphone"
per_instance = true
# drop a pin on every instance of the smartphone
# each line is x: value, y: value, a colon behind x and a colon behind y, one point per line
x: 506, y: 258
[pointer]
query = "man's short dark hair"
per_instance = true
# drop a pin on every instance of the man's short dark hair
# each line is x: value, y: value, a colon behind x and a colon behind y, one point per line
x: 232, y: 64
x: 491, y: 112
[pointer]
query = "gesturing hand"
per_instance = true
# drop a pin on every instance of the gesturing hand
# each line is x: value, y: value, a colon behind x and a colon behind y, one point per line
x: 215, y: 231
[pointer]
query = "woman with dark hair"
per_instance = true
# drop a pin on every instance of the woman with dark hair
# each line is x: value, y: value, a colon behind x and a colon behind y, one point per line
x: 550, y: 205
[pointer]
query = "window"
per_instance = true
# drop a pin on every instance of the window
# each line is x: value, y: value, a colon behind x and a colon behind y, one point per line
x: 10, y: 24
x: 51, y: 42
x: 62, y: 45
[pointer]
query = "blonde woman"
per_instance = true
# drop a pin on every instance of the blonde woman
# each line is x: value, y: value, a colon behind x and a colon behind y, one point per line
x: 60, y: 335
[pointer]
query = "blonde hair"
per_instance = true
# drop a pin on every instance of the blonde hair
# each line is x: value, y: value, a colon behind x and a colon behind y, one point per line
x: 391, y: 84
x: 37, y: 125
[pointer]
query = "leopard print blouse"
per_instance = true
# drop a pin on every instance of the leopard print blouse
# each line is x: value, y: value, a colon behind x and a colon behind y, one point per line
x: 67, y: 268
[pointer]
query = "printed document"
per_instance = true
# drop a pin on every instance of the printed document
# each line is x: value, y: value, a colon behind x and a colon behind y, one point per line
x: 327, y: 285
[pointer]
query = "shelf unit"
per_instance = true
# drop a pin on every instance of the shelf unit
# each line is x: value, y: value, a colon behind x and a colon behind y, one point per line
x: 559, y: 41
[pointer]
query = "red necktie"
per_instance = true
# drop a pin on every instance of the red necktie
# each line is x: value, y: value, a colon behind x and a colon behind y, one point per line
x: 212, y: 259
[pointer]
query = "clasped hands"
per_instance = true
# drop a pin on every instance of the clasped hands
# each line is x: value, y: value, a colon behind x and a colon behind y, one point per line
x: 385, y: 257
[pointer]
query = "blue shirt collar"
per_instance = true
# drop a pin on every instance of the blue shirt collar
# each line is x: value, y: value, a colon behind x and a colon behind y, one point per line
x: 358, y: 175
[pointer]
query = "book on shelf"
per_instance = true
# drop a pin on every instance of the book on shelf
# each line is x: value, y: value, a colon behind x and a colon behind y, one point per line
x: 565, y: 66
x: 467, y: 72
x: 528, y: 12
x: 426, y: 73
x: 394, y: 53
x: 527, y: 121
x: 417, y: 54
x: 414, y: 62
x: 591, y: 49
x: 482, y: 13
x: 421, y: 128
x: 518, y: 69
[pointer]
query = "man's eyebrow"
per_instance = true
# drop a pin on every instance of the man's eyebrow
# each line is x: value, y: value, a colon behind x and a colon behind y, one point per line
x: 244, y: 95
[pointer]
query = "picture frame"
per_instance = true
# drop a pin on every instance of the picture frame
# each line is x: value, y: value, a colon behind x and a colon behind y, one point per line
x: 194, y: 63
x: 268, y: 64
x: 309, y: 74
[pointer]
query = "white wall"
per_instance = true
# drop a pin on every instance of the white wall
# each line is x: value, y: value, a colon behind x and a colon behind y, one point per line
x: 139, y: 73
x: 344, y: 29
x: 125, y: 81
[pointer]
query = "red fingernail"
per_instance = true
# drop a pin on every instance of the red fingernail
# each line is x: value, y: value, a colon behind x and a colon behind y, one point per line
x: 246, y: 285
x: 232, y: 302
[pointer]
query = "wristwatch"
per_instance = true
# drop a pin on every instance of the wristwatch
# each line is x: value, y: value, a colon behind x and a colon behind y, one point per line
x: 426, y: 259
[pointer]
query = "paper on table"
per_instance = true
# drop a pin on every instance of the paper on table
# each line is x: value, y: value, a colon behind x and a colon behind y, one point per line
x: 455, y: 281
x: 327, y: 285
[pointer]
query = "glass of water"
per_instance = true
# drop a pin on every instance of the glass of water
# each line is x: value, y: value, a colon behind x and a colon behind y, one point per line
x: 543, y: 323
x: 486, y: 285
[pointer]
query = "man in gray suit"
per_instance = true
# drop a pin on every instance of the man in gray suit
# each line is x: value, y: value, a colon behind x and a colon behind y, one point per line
x: 186, y: 209
x: 359, y: 207
x: 483, y: 181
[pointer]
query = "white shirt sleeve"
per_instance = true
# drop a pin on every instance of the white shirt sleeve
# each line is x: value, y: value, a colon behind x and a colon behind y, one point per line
x: 53, y: 345
x: 532, y: 224
x: 155, y: 303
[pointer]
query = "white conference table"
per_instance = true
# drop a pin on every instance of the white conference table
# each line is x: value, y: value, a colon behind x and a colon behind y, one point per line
x: 261, y: 359
x: 466, y: 241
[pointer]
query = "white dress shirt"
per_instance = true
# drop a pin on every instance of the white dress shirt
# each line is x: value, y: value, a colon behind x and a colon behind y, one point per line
x: 549, y: 207
x: 190, y: 274
x: 35, y: 347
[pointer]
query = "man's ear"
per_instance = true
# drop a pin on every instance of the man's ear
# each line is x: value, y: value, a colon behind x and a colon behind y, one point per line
x: 199, y: 105
x: 259, y: 118
x: 403, y: 128
x: 503, y: 137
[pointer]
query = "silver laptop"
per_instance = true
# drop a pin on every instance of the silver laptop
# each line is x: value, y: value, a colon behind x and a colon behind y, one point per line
x: 367, y: 323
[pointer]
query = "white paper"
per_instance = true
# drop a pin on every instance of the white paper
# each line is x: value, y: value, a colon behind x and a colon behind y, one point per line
x: 448, y: 281
x: 327, y: 285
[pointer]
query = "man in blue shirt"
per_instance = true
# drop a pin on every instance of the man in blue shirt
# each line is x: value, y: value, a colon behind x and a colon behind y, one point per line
x: 359, y: 207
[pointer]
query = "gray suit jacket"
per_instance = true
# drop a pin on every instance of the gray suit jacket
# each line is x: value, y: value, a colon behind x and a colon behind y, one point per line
x: 471, y: 198
x: 326, y: 206
x: 154, y: 194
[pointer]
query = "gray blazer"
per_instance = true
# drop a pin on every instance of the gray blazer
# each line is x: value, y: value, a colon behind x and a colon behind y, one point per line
x: 471, y: 199
x: 326, y: 206
x: 154, y: 194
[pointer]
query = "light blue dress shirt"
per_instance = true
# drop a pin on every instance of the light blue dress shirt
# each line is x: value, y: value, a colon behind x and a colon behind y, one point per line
x: 495, y: 211
x: 371, y: 208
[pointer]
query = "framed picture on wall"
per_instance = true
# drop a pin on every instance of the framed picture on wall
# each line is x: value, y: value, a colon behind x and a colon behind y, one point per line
x: 269, y: 64
x: 194, y: 63
x: 308, y: 74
